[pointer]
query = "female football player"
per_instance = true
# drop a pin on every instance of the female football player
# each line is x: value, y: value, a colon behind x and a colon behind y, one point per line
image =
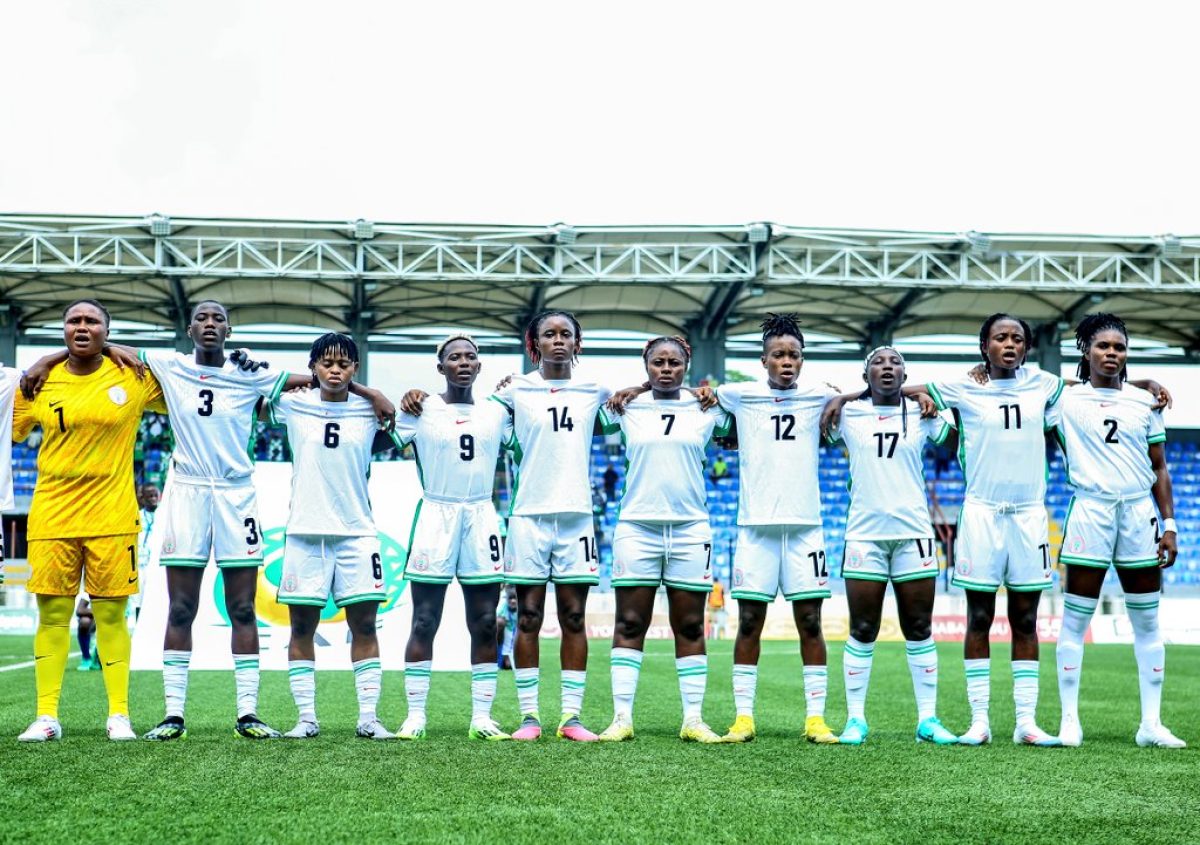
x: 889, y: 537
x: 455, y: 531
x: 663, y: 534
x: 1122, y: 514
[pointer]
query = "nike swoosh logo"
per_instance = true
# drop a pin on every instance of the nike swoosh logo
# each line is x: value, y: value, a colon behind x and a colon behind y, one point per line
x: 41, y: 656
x: 1070, y: 668
x: 461, y: 422
x: 379, y: 586
x: 133, y: 579
x: 781, y: 399
x: 111, y: 662
x: 855, y: 671
x: 55, y: 404
x: 1158, y: 668
x: 593, y: 568
x: 929, y: 670
x: 250, y: 551
x: 1107, y: 404
x: 927, y: 563
x: 205, y: 378
x: 556, y: 389
x: 884, y: 419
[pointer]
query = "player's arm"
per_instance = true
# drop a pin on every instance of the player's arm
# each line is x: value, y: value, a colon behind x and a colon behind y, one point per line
x: 1168, y: 547
x: 35, y: 377
x: 705, y: 395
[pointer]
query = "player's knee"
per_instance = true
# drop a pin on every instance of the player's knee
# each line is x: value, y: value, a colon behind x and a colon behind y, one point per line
x: 303, y: 628
x: 529, y: 620
x: 572, y: 621
x: 181, y: 613
x: 808, y: 622
x: 979, y: 619
x: 1024, y: 624
x: 750, y: 623
x: 363, y: 628
x: 631, y: 626
x: 690, y: 628
x: 864, y: 630
x: 919, y: 628
x: 424, y: 623
x: 482, y: 624
x: 241, y: 613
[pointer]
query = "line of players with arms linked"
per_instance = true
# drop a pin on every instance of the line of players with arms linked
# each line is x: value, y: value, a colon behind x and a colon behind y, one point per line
x: 83, y: 522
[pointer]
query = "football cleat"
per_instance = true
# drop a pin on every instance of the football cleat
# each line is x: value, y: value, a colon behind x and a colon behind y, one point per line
x: 932, y: 730
x: 1157, y: 736
x: 980, y: 733
x: 530, y: 730
x: 695, y: 730
x: 373, y: 729
x: 486, y: 730
x: 855, y: 732
x: 742, y: 730
x: 815, y: 730
x: 571, y: 728
x: 43, y: 729
x: 412, y: 729
x: 1031, y: 734
x: 620, y: 730
x: 119, y: 729
x: 1070, y: 732
x: 171, y: 727
x: 304, y: 730
x: 251, y: 727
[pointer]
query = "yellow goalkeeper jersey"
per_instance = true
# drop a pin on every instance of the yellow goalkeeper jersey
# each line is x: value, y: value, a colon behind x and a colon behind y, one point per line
x: 85, y: 484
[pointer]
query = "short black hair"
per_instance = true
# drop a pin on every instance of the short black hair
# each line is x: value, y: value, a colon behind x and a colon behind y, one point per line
x: 781, y: 325
x: 332, y: 342
x: 985, y: 332
x: 1086, y: 332
x: 196, y: 308
x: 675, y: 339
x: 93, y: 302
x: 535, y: 325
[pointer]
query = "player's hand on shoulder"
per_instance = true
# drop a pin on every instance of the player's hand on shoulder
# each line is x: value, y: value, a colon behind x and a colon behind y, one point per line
x: 413, y: 402
x: 832, y: 415
x: 705, y: 395
x: 385, y: 410
x: 1162, y: 396
x: 503, y: 383
x: 978, y: 374
x: 929, y: 408
x: 33, y: 379
x: 619, y: 400
x: 242, y: 358
x: 125, y: 356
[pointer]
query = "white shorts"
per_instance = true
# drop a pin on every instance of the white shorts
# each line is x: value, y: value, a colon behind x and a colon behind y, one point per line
x: 1007, y: 546
x: 455, y: 539
x: 676, y: 554
x: 558, y: 547
x: 210, y: 519
x: 897, y: 560
x: 770, y: 558
x: 1097, y: 532
x: 316, y: 567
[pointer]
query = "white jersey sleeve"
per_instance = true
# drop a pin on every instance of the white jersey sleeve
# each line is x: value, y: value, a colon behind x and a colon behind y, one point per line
x: 10, y: 379
x: 457, y: 447
x: 331, y: 446
x: 887, y: 477
x: 406, y: 426
x: 1106, y: 435
x: 779, y: 435
x: 212, y: 413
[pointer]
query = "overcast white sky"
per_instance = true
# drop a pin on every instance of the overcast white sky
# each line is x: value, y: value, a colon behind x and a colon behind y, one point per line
x: 950, y: 116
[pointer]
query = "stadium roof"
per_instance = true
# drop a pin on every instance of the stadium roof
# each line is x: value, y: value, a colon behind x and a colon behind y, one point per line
x: 707, y: 281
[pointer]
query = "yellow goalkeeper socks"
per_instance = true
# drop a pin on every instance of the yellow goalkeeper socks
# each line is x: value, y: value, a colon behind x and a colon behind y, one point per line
x: 113, y: 644
x: 51, y: 644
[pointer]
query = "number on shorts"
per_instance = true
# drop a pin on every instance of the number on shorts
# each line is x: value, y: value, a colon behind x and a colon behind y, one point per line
x: 132, y: 561
x: 669, y: 419
x: 589, y: 548
x: 784, y: 423
x: 1045, y: 547
x: 62, y: 424
x: 466, y: 447
x: 892, y: 437
x: 206, y: 398
x: 1111, y: 436
x: 331, y: 435
x: 921, y: 548
x: 707, y: 559
x: 252, y: 538
x: 561, y: 417
x: 377, y: 567
x: 1015, y: 410
x: 494, y: 545
x: 1154, y: 525
x: 818, y: 562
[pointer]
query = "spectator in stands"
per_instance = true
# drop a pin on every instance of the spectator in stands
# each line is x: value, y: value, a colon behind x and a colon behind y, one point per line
x: 941, y: 460
x: 87, y: 626
x: 716, y: 610
x: 598, y: 507
x: 506, y: 626
x: 720, y: 469
x: 610, y: 482
x: 148, y: 496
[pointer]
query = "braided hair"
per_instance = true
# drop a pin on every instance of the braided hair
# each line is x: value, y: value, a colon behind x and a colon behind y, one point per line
x: 781, y: 325
x: 675, y: 339
x: 866, y: 394
x: 531, y: 333
x: 985, y: 332
x: 331, y: 342
x: 1086, y: 332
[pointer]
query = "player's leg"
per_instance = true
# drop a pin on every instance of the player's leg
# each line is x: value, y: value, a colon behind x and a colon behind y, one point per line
x: 635, y: 608
x: 111, y: 577
x: 302, y: 658
x: 480, y: 601
x: 980, y: 555
x: 757, y: 560
x: 368, y: 670
x: 531, y: 609
x: 56, y: 570
x: 805, y: 582
x: 428, y: 600
x: 865, y: 569
x: 571, y: 600
x: 977, y: 646
x: 686, y: 608
x: 1022, y: 620
x: 241, y: 584
x: 914, y: 602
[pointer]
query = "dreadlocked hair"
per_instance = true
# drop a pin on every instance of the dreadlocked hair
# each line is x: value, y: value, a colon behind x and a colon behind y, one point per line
x: 1086, y: 332
x: 866, y: 394
x: 92, y: 302
x: 675, y: 339
x: 781, y: 325
x: 985, y: 331
x: 331, y: 342
x: 531, y: 333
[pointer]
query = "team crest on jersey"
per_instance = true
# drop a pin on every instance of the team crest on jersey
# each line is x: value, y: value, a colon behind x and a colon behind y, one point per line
x: 854, y: 560
x: 963, y: 566
x: 739, y: 577
x: 421, y: 564
x: 618, y: 569
x: 1077, y: 544
x: 289, y: 584
x: 168, y: 546
x: 118, y: 395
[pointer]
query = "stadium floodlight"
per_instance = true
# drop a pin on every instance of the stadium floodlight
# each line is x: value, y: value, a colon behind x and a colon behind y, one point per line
x: 1171, y: 246
x: 758, y: 233
x: 755, y: 290
x: 370, y: 286
x: 978, y: 242
x: 565, y: 235
x: 364, y: 230
x: 160, y: 225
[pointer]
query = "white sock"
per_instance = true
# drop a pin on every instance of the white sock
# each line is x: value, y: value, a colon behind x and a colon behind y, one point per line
x: 483, y: 690
x: 923, y: 666
x: 856, y: 666
x: 626, y: 665
x: 368, y: 678
x: 816, y: 683
x: 573, y: 683
x: 302, y: 677
x: 245, y: 678
x: 979, y: 688
x: 1025, y: 691
x: 175, y: 680
x: 416, y: 686
x: 693, y: 678
x: 1077, y: 614
x: 1149, y: 650
x: 745, y: 683
x: 527, y: 690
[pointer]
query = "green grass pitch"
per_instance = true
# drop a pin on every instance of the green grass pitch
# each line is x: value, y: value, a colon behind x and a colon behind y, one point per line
x: 216, y: 788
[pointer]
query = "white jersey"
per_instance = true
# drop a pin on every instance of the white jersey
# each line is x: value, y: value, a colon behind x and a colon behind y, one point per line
x: 1001, y: 433
x: 887, y: 472
x: 457, y: 447
x: 779, y: 437
x: 1106, y: 435
x: 212, y: 412
x: 664, y: 448
x: 331, y: 461
x: 552, y: 437
x: 10, y: 379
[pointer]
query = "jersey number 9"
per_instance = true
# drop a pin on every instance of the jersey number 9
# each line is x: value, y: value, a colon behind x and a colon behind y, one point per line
x: 466, y: 447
